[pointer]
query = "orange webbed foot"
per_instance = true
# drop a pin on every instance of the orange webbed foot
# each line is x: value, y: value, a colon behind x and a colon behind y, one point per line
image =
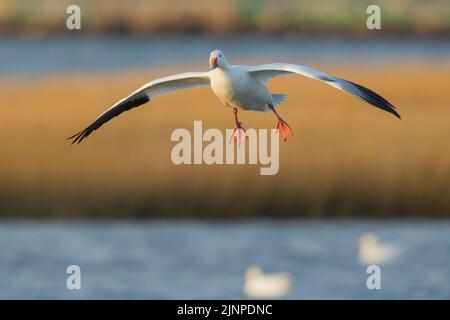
x: 284, y: 129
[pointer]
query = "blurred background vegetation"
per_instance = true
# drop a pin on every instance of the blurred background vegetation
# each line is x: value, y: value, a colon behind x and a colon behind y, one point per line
x: 225, y: 17
x: 346, y: 158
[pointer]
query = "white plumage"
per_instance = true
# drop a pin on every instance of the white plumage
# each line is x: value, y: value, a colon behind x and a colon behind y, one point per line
x: 260, y: 285
x: 373, y: 252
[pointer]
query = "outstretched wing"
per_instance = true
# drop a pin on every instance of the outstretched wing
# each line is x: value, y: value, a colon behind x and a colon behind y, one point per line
x: 266, y: 72
x: 147, y: 92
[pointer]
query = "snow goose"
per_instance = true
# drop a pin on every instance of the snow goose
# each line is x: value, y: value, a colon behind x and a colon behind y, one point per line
x: 373, y: 252
x: 238, y: 87
x: 270, y: 285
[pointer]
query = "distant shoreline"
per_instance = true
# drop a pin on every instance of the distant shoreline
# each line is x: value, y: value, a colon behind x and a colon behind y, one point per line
x: 305, y: 33
x: 141, y: 17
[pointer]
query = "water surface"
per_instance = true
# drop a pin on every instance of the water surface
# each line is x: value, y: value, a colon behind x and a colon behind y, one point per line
x: 207, y: 260
x: 24, y: 57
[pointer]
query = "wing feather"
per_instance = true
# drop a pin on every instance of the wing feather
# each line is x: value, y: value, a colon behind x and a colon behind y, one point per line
x: 143, y: 95
x: 266, y: 72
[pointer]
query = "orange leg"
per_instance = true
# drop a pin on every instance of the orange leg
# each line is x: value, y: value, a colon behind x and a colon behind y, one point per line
x: 239, y: 131
x: 283, y: 128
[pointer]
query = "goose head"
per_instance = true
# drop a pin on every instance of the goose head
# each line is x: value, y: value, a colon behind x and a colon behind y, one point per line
x: 217, y: 60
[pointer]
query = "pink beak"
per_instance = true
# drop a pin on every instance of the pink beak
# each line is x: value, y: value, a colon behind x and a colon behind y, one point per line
x: 212, y: 62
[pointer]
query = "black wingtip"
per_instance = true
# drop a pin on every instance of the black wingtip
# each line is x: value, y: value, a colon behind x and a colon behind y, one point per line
x: 376, y: 100
x: 78, y: 137
x: 398, y: 115
x: 391, y: 109
x: 74, y: 137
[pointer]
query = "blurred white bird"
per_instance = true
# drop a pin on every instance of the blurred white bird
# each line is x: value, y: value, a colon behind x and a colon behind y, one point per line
x: 260, y: 285
x: 372, y: 252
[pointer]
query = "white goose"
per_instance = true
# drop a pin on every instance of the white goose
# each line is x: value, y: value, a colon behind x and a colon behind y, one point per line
x: 370, y: 251
x: 258, y: 284
x: 241, y: 87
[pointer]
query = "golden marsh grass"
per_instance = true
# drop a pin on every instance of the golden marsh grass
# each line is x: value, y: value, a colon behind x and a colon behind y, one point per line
x: 346, y: 157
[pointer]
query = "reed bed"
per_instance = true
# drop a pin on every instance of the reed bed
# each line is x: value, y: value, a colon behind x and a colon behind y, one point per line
x: 345, y: 159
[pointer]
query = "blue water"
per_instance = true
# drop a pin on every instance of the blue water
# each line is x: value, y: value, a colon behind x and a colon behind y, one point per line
x: 25, y: 57
x: 193, y: 259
